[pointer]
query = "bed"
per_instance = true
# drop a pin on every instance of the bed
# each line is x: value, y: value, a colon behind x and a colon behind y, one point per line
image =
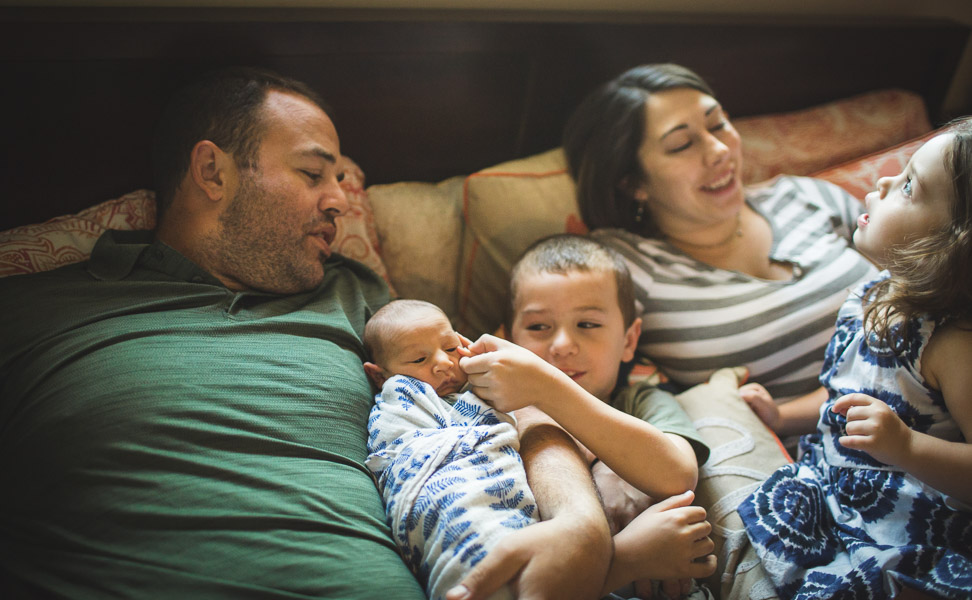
x: 451, y: 127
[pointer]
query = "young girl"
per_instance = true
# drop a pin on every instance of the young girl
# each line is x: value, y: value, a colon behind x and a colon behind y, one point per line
x: 881, y: 498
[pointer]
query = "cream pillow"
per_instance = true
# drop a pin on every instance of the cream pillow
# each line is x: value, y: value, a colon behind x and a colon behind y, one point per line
x: 419, y: 229
x: 506, y: 208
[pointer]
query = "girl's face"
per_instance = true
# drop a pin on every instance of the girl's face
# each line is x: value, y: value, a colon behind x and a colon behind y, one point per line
x: 909, y: 206
x: 693, y: 160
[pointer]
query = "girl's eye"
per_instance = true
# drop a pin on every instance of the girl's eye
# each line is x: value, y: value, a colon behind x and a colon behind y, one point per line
x: 906, y: 188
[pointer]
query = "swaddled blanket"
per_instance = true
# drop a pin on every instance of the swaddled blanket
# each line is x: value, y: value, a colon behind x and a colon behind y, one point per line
x: 451, y: 477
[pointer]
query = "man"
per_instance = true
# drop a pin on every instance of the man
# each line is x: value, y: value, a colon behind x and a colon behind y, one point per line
x: 185, y: 414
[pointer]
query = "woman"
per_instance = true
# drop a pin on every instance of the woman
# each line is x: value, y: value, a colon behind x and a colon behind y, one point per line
x: 724, y: 276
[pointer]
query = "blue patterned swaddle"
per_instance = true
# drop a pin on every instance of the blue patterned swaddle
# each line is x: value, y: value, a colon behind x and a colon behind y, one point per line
x: 450, y: 476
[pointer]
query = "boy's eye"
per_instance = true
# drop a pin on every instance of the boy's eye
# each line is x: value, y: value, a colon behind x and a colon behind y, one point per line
x: 906, y: 188
x: 537, y: 327
x: 588, y: 325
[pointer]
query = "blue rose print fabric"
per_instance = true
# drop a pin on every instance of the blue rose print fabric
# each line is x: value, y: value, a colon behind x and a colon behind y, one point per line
x: 838, y: 523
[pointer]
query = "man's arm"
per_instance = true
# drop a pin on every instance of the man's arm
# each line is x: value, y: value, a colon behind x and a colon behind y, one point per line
x: 567, y: 555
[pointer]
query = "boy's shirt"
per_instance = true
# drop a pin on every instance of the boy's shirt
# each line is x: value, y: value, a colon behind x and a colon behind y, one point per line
x: 661, y: 409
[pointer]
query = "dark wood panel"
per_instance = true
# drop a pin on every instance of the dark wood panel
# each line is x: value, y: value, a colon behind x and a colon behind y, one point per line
x: 418, y: 100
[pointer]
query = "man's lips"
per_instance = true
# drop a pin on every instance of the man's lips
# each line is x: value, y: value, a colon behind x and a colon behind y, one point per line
x: 325, y: 237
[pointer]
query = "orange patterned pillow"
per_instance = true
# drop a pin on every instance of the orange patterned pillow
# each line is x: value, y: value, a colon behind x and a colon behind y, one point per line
x: 802, y: 142
x: 860, y: 176
x: 70, y: 238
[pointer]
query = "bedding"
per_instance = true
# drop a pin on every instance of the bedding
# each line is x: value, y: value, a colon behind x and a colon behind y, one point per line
x: 452, y: 243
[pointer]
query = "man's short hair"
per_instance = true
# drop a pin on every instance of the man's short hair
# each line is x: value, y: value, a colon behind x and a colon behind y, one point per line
x: 566, y: 253
x: 223, y: 107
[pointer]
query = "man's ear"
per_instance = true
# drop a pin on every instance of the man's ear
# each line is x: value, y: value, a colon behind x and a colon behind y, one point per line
x: 631, y: 340
x: 209, y: 168
x: 376, y: 374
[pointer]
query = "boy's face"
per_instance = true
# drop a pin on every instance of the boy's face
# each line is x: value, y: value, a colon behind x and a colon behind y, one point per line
x: 426, y: 348
x: 573, y: 321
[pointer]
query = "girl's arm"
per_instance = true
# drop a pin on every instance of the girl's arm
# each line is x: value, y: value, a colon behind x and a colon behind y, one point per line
x: 796, y: 417
x: 875, y: 429
x: 510, y: 377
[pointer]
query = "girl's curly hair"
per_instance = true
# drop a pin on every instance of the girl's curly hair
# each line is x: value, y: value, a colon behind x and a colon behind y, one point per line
x: 932, y: 275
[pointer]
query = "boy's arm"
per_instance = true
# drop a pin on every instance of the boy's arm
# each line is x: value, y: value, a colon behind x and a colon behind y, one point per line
x: 510, y: 377
x: 566, y: 555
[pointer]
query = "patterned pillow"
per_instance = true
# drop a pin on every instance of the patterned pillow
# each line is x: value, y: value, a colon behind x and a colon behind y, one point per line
x: 802, y: 142
x: 860, y: 176
x: 70, y: 238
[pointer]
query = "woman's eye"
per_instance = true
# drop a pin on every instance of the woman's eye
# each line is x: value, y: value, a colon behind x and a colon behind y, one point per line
x: 678, y: 149
x: 718, y: 126
x: 906, y: 188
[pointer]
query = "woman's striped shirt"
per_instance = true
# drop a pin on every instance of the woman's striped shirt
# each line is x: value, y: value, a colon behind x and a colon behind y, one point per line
x: 698, y: 318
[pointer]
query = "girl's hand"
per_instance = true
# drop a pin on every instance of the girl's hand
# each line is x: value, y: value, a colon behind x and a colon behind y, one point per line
x: 873, y: 428
x: 760, y: 401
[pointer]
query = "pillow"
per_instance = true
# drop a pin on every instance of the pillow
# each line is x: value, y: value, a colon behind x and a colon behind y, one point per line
x: 801, y: 142
x: 419, y: 227
x: 860, y: 176
x: 505, y: 209
x: 744, y: 453
x: 70, y: 238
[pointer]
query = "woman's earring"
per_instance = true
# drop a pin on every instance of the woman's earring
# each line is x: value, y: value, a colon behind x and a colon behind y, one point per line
x: 639, y: 212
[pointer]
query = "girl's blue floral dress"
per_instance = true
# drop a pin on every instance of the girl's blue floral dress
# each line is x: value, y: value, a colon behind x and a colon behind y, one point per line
x: 839, y: 524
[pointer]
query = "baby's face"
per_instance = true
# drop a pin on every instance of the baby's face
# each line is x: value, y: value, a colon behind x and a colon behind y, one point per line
x: 427, y: 348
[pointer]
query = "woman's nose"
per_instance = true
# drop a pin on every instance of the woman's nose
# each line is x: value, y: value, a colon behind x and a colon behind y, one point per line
x: 716, y: 150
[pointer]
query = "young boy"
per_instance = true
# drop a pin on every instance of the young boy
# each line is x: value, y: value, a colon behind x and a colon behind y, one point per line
x: 573, y: 305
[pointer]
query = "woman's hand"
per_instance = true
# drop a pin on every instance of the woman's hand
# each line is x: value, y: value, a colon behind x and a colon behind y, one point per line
x: 873, y: 428
x: 761, y: 403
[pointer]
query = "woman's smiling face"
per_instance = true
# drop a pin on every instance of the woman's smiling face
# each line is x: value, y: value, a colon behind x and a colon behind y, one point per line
x: 692, y: 158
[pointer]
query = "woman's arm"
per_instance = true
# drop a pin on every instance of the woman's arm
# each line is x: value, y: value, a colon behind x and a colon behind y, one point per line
x: 510, y: 377
x: 875, y: 429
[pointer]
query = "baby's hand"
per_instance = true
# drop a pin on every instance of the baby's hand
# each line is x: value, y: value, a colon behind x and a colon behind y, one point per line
x: 873, y: 428
x: 507, y: 376
x: 760, y: 401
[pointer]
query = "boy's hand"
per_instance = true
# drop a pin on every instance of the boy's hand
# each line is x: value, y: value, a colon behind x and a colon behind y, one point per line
x: 873, y: 428
x: 507, y: 376
x: 667, y: 541
x: 760, y: 401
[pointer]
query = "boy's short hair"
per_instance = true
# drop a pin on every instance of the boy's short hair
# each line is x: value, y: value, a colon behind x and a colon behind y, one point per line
x: 565, y: 253
x: 390, y: 315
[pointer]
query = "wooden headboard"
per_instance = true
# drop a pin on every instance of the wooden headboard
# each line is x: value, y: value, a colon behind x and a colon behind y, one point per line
x: 418, y: 98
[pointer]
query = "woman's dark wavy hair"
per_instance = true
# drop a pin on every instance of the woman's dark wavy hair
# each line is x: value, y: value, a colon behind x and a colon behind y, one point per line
x: 932, y: 275
x: 224, y: 107
x: 602, y: 138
